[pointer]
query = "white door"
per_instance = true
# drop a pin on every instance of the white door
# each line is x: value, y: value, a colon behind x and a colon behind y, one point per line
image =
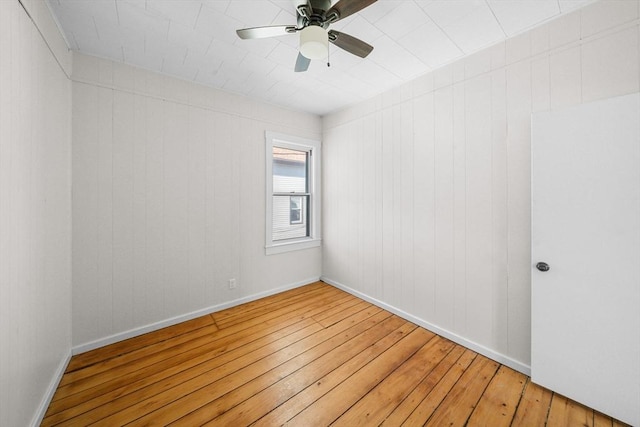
x: 586, y: 228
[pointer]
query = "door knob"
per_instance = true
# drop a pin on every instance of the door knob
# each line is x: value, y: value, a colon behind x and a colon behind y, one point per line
x: 542, y: 266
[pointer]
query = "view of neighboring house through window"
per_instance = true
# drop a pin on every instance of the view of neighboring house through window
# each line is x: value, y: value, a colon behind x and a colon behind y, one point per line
x: 295, y: 210
x: 290, y: 193
x: 293, y: 193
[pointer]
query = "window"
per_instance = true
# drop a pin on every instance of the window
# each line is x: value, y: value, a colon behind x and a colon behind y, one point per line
x: 293, y: 193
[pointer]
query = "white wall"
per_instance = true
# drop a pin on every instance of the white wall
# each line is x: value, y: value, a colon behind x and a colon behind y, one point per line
x: 169, y: 200
x: 427, y: 187
x: 35, y: 211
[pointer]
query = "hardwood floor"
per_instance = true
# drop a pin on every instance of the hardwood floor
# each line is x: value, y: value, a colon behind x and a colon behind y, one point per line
x: 311, y: 356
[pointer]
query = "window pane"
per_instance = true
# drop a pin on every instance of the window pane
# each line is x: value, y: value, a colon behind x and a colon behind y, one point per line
x: 295, y: 210
x: 285, y: 210
x: 289, y: 170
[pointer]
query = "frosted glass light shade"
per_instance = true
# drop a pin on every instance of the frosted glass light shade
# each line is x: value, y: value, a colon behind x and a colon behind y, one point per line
x: 314, y: 42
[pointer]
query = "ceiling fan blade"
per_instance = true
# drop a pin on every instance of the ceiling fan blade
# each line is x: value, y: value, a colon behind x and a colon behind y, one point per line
x: 263, y: 32
x: 345, y: 8
x: 302, y: 63
x: 350, y: 43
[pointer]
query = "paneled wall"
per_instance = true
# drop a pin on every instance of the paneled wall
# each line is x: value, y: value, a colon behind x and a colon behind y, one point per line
x: 427, y: 187
x: 35, y: 211
x: 169, y: 199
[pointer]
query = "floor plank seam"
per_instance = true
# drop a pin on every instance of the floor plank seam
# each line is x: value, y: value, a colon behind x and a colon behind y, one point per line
x: 266, y: 344
x: 318, y: 381
x: 515, y: 412
x: 435, y: 384
x: 299, y: 368
x: 389, y: 374
x: 348, y: 376
x: 386, y: 376
x: 475, y: 405
x: 546, y: 418
x: 453, y: 346
x: 437, y: 407
x: 302, y: 338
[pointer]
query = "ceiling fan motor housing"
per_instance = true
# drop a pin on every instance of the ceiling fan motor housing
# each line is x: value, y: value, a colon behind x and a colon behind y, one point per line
x: 313, y: 13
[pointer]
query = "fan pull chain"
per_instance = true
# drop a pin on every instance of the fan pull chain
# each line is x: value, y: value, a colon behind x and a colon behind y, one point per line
x: 328, y: 51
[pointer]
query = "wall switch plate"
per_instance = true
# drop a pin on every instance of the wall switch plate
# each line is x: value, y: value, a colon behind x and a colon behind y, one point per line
x: 232, y: 283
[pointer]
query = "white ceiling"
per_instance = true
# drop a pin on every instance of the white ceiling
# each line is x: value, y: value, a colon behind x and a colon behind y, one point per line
x: 196, y: 40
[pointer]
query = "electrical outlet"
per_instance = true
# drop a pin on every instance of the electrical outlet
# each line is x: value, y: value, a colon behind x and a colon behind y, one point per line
x: 232, y: 283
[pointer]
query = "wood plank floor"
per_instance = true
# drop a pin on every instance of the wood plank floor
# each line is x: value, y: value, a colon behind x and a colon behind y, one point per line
x: 312, y: 356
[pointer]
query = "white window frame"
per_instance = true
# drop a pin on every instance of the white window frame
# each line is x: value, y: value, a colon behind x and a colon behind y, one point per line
x: 314, y: 147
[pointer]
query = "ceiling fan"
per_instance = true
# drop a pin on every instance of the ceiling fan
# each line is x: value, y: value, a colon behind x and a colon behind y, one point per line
x: 314, y: 18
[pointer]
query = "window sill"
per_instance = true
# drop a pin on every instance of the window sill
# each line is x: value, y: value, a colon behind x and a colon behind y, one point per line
x: 278, y: 248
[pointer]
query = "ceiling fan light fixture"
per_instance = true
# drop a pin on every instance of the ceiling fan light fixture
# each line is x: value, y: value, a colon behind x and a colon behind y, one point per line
x: 314, y: 42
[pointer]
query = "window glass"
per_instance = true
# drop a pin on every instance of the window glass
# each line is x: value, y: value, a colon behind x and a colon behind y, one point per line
x: 290, y: 176
x: 289, y: 170
x: 295, y: 209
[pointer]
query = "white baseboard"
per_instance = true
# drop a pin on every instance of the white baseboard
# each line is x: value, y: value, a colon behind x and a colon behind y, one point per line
x: 491, y: 354
x: 81, y: 348
x: 51, y: 389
